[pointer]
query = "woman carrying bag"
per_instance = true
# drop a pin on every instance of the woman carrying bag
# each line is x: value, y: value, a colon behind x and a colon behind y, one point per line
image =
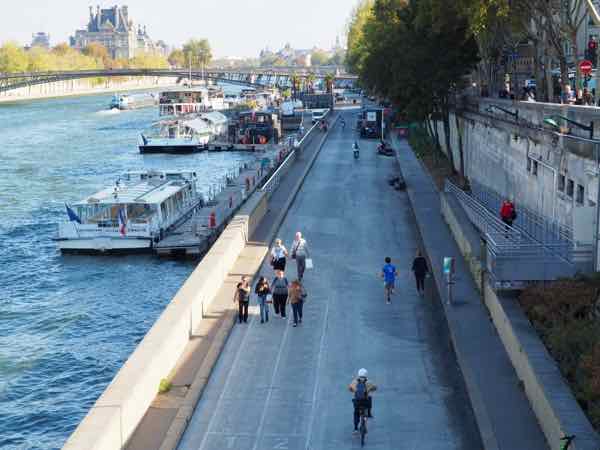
x: 278, y: 255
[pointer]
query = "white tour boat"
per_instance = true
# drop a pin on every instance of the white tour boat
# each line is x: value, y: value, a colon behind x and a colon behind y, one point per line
x: 194, y: 100
x: 184, y: 136
x: 133, y: 101
x: 132, y: 215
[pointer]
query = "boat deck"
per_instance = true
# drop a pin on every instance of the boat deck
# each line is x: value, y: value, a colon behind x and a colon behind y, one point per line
x: 193, y: 237
x: 210, y: 147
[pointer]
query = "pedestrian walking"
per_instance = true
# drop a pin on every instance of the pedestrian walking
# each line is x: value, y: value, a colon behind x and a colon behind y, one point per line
x: 278, y: 255
x: 508, y: 212
x: 242, y: 296
x: 300, y: 253
x: 420, y: 269
x: 296, y: 296
x: 262, y: 291
x: 388, y: 273
x: 279, y: 288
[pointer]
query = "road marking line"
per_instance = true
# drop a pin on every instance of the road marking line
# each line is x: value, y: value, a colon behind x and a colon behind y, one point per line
x: 317, y: 370
x: 263, y: 416
x: 227, y: 382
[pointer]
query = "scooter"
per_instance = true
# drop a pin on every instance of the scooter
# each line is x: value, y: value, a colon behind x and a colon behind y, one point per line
x: 356, y: 153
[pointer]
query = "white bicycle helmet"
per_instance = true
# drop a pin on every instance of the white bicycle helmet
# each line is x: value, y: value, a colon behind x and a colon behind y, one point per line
x: 362, y: 373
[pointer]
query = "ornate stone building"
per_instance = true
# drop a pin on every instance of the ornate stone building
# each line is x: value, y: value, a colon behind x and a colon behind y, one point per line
x: 113, y: 28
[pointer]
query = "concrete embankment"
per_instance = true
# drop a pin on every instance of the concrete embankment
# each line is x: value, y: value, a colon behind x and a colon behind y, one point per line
x: 85, y: 86
x: 114, y: 418
x: 551, y: 399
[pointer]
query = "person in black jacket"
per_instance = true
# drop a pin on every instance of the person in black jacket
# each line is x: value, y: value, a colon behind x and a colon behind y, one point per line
x: 420, y: 269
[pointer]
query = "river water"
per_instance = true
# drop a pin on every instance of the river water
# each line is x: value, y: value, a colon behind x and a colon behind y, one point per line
x: 67, y: 323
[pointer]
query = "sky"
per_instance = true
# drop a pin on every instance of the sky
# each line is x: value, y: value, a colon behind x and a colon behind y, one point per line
x: 233, y: 27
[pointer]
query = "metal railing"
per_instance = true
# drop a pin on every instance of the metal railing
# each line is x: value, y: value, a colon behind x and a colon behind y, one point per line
x: 274, y: 180
x: 531, y: 222
x: 515, y: 255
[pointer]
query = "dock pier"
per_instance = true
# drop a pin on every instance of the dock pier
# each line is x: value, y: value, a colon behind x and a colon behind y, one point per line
x: 194, y: 236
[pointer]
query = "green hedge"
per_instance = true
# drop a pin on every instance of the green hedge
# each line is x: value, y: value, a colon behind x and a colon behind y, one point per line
x: 566, y: 315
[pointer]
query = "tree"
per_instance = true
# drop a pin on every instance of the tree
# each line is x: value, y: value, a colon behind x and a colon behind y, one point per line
x: 337, y: 59
x: 414, y: 57
x: 295, y: 84
x: 198, y: 52
x: 355, y: 35
x: 177, y: 58
x: 98, y: 52
x: 319, y: 58
x: 61, y: 49
x: 329, y: 79
x: 13, y: 58
x: 149, y: 61
x: 40, y: 60
x: 310, y: 82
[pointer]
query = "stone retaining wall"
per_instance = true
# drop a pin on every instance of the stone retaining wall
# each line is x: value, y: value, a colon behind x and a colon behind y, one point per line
x: 551, y: 399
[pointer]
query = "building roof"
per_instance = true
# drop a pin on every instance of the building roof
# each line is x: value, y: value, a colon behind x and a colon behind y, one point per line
x: 215, y: 117
x: 152, y: 191
x: 198, y: 125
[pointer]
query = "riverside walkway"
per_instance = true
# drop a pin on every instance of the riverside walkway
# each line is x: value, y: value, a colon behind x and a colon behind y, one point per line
x: 279, y: 387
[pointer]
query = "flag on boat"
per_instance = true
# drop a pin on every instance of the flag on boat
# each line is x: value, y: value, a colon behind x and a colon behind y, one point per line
x: 73, y: 217
x: 122, y: 216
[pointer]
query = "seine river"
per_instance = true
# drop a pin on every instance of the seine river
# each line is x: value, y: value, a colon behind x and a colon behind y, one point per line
x: 67, y: 323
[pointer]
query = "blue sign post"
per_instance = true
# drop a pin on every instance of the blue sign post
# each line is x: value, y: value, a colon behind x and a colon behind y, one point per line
x: 449, y: 268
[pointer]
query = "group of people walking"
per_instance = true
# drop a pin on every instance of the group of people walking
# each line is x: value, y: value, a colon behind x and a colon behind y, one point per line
x: 280, y: 291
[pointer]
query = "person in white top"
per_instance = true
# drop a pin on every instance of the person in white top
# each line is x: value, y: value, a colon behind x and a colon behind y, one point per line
x: 278, y: 255
x: 300, y: 253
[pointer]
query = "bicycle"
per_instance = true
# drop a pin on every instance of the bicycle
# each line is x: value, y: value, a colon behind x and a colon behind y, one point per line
x: 362, y: 426
x: 567, y: 442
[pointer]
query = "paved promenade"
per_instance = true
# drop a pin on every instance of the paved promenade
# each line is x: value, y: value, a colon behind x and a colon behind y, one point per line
x: 504, y: 415
x: 279, y: 387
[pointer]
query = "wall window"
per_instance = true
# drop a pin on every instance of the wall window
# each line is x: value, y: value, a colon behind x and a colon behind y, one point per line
x: 561, y: 182
x: 570, y: 188
x: 580, y: 194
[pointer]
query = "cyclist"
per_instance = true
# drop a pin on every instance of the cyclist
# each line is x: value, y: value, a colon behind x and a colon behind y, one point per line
x: 361, y: 388
x: 355, y: 149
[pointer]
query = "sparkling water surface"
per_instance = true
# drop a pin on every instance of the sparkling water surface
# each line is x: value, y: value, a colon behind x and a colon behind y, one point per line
x: 67, y: 323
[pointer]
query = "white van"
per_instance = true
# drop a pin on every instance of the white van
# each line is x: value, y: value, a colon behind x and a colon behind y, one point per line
x: 318, y: 114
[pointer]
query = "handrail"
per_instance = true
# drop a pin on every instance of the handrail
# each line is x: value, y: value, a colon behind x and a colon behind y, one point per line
x: 273, y: 180
x: 508, y: 241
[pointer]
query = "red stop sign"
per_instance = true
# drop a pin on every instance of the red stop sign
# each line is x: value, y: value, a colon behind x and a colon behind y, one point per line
x: 585, y: 67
